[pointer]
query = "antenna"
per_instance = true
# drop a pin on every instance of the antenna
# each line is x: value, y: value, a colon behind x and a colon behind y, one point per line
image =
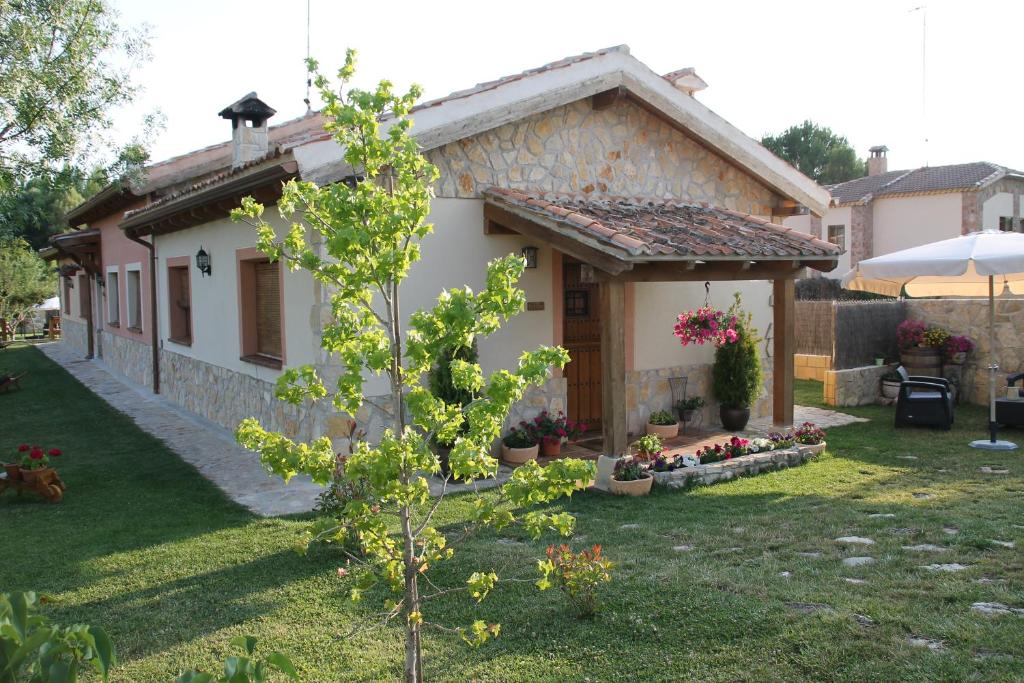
x: 924, y: 75
x: 309, y: 81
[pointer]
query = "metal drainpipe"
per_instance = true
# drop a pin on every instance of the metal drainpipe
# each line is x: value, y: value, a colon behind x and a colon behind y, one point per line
x: 152, y: 306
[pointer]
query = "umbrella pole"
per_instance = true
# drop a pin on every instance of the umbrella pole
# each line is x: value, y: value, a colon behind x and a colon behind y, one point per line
x: 992, y: 443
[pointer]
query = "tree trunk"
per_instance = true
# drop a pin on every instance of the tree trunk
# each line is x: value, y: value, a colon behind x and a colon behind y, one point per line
x: 413, y: 664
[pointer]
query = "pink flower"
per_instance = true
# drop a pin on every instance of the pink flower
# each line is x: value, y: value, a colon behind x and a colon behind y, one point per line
x: 54, y: 452
x: 36, y: 453
x: 23, y: 448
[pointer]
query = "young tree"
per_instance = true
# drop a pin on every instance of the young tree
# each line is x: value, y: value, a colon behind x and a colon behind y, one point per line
x: 64, y: 65
x: 25, y: 280
x: 817, y: 152
x: 371, y: 231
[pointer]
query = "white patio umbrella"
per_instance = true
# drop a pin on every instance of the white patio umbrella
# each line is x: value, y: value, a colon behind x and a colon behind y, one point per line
x: 976, y: 264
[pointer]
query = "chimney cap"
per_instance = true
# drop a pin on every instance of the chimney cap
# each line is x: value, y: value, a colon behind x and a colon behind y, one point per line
x: 686, y: 80
x: 248, y: 108
x: 878, y: 150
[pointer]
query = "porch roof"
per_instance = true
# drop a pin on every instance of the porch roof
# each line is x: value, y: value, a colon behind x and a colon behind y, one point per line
x: 643, y: 231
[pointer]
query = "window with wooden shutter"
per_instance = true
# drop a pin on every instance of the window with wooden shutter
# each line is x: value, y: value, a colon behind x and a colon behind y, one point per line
x: 179, y: 306
x: 268, y: 309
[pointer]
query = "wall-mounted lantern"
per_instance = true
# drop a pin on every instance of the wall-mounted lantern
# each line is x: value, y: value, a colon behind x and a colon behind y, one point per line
x: 100, y: 282
x: 530, y: 254
x: 203, y: 262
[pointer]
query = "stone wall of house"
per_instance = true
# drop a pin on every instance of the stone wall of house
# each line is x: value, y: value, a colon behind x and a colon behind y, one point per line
x: 970, y: 317
x: 131, y: 359
x: 862, y: 232
x: 973, y: 203
x: 619, y: 151
x: 648, y: 391
x: 75, y: 335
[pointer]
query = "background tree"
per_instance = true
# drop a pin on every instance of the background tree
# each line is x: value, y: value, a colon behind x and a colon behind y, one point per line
x: 35, y: 208
x: 25, y: 280
x: 817, y: 152
x: 64, y: 66
x: 371, y: 233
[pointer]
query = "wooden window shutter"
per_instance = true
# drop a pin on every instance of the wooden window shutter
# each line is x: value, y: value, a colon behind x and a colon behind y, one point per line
x: 268, y: 309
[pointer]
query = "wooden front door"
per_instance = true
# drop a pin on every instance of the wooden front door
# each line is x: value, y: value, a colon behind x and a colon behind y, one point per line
x: 581, y: 335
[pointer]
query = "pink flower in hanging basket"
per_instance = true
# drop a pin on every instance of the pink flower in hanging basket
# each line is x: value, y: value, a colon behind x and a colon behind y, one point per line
x: 706, y: 325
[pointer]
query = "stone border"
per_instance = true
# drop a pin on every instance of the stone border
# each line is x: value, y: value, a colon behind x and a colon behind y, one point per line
x: 753, y: 463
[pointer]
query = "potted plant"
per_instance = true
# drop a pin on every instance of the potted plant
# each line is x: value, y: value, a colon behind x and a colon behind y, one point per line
x: 736, y: 376
x: 920, y: 346
x: 688, y: 406
x: 879, y: 359
x: 891, y: 384
x: 13, y: 469
x: 520, y: 445
x: 781, y: 441
x: 957, y: 347
x: 810, y: 438
x: 733, y: 448
x: 662, y: 424
x: 36, y: 464
x: 631, y: 478
x: 552, y: 430
x: 647, y: 447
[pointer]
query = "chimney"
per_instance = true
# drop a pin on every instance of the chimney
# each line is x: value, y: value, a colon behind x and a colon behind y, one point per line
x: 686, y: 80
x: 248, y: 118
x: 877, y: 163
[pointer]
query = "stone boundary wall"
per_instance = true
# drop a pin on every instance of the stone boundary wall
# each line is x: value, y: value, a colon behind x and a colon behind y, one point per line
x: 854, y: 386
x: 808, y: 366
x: 754, y: 463
x: 74, y: 335
x: 970, y: 317
x: 131, y: 359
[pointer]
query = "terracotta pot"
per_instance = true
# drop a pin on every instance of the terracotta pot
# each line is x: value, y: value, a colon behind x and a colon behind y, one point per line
x: 811, y: 449
x: 637, y: 487
x: 890, y: 389
x: 13, y: 471
x: 663, y: 431
x: 551, y: 446
x: 734, y: 419
x: 519, y: 456
x: 31, y: 476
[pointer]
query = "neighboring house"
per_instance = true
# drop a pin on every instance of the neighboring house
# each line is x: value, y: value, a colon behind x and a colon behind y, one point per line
x: 627, y: 191
x: 887, y: 211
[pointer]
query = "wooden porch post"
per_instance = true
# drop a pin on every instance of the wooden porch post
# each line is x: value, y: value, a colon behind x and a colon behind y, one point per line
x: 613, y: 366
x: 784, y: 326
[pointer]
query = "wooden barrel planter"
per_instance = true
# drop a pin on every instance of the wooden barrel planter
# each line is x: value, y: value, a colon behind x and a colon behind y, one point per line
x: 922, y: 360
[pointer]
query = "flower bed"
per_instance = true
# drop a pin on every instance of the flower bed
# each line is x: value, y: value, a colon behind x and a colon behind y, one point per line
x: 752, y: 463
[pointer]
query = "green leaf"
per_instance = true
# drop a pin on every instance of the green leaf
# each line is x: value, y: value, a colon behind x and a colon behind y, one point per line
x: 247, y: 643
x: 283, y: 664
x: 105, y: 655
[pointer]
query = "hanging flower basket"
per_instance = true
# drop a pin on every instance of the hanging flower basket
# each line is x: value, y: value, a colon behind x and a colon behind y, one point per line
x: 706, y: 325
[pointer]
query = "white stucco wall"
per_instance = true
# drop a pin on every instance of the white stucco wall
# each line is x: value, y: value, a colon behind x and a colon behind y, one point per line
x: 1000, y: 204
x: 658, y: 305
x: 215, y: 305
x: 904, y: 222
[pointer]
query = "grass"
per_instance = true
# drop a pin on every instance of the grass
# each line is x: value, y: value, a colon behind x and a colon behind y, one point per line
x: 146, y: 547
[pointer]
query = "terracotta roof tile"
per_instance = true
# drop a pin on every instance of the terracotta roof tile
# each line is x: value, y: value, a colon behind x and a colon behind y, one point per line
x: 659, y: 228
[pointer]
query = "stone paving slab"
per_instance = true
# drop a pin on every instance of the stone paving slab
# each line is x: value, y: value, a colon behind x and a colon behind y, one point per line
x: 208, y: 447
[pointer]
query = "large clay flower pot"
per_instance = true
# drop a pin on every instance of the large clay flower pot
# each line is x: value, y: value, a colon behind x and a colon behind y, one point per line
x: 30, y: 476
x: 637, y: 487
x: 551, y: 446
x: 519, y: 456
x: 734, y: 419
x: 890, y: 389
x: 663, y: 431
x: 13, y: 471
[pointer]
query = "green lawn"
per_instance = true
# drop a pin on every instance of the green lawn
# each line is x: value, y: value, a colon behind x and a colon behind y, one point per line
x: 145, y: 547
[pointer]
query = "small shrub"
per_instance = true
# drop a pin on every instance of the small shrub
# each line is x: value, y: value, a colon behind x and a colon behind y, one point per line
x: 692, y: 403
x: 629, y: 469
x: 520, y: 437
x: 245, y: 669
x: 32, y: 649
x: 577, y: 575
x: 736, y: 376
x: 662, y: 417
x: 647, y: 446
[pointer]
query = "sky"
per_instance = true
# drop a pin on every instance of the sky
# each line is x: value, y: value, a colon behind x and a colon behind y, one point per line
x: 855, y: 67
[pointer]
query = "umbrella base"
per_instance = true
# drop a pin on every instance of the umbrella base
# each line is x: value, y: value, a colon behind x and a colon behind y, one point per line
x: 989, y: 445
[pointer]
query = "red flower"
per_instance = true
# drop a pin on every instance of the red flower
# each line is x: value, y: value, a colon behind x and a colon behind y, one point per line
x: 55, y: 452
x: 23, y: 447
x: 36, y: 453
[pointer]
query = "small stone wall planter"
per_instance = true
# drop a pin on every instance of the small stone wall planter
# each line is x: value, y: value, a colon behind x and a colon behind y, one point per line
x: 637, y: 487
x: 712, y: 473
x: 811, y: 449
x: 663, y: 431
x: 519, y: 456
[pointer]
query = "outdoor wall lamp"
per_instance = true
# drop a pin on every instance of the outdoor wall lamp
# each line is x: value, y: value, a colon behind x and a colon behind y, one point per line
x: 530, y: 254
x: 203, y: 262
x: 100, y: 282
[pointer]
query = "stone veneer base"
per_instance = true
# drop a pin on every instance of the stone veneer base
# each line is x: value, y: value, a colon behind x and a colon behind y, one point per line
x: 712, y: 473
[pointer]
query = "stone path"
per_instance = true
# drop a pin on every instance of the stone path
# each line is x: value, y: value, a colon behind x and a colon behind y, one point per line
x: 826, y: 419
x: 210, y: 448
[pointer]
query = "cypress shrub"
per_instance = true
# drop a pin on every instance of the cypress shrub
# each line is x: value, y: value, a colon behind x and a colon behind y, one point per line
x: 737, y: 376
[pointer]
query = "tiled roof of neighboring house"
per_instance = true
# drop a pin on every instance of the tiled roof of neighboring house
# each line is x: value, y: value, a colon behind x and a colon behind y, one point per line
x: 952, y: 178
x: 658, y: 228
